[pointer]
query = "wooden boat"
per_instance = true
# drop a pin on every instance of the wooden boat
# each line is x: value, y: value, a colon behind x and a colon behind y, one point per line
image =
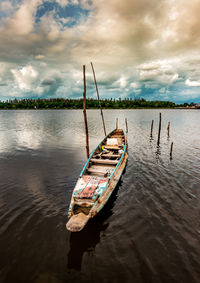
x: 98, y: 179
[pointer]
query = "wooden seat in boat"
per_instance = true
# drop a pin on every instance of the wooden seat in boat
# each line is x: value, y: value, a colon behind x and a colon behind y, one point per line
x: 105, y: 161
x: 98, y: 172
x: 116, y: 147
x: 111, y: 155
x: 118, y: 136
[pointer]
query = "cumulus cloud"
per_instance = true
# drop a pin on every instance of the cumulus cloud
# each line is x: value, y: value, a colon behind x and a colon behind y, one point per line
x: 25, y: 77
x: 22, y: 22
x: 65, y: 3
x: 122, y: 82
x: 39, y: 56
x: 149, y: 66
x: 135, y: 45
x: 62, y: 2
x: 5, y: 6
x: 134, y: 85
x: 157, y: 74
x: 188, y: 82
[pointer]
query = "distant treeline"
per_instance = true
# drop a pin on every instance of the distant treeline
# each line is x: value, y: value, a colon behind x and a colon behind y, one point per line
x: 61, y: 103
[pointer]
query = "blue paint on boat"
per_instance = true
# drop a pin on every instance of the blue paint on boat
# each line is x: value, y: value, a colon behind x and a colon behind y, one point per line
x: 120, y: 158
x: 93, y: 152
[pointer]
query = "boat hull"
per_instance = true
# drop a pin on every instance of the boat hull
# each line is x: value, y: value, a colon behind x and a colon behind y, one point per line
x: 99, y: 189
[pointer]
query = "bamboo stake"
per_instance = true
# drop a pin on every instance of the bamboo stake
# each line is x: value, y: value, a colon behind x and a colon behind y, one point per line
x: 171, y: 149
x: 168, y: 128
x: 116, y: 123
x: 104, y: 127
x: 158, y: 142
x: 151, y: 128
x: 126, y: 125
x: 85, y: 115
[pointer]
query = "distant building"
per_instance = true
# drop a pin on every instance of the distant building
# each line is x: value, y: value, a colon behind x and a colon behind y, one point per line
x: 198, y: 105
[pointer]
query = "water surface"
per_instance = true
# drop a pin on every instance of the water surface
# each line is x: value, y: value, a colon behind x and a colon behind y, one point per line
x: 148, y: 232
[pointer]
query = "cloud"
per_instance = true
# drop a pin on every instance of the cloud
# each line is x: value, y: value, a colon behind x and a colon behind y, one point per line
x: 62, y: 3
x: 188, y: 82
x: 39, y: 56
x: 136, y: 46
x: 122, y: 82
x: 158, y: 74
x: 22, y: 22
x: 149, y: 66
x: 25, y: 77
x: 134, y: 85
x: 5, y: 6
x: 65, y: 3
x: 49, y: 87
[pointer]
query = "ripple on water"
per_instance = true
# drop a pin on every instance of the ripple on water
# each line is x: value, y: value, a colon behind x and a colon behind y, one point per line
x: 148, y: 232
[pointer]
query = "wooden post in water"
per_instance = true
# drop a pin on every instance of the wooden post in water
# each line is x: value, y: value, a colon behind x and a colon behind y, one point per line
x: 171, y: 150
x: 159, y: 129
x: 104, y: 127
x: 168, y: 128
x: 126, y: 125
x: 116, y: 123
x: 151, y: 128
x: 84, y: 113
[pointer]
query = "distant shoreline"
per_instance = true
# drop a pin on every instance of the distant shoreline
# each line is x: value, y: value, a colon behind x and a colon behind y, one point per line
x: 70, y: 104
x: 139, y: 108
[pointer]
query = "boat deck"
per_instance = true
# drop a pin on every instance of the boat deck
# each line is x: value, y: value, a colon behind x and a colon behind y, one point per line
x: 103, y: 162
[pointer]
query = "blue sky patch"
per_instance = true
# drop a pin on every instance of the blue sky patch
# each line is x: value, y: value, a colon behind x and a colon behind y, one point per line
x: 72, y: 12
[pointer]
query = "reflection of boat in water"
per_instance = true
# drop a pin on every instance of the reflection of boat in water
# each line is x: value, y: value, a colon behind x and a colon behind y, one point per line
x: 98, y: 179
x: 85, y: 241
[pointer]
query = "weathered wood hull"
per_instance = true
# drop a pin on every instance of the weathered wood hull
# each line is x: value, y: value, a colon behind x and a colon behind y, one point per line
x: 83, y: 205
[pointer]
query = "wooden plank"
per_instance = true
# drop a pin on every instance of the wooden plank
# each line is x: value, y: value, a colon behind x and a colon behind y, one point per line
x: 117, y: 136
x: 118, y: 139
x: 159, y: 129
x: 94, y: 171
x: 105, y: 161
x: 103, y: 166
x: 111, y: 155
x: 126, y: 125
x: 151, y: 128
x: 112, y: 147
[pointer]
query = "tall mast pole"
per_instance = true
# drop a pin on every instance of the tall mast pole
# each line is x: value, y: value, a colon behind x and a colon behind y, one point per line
x: 104, y: 127
x: 84, y: 113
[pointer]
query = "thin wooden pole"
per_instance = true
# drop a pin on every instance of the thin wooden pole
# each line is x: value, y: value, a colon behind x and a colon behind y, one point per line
x: 126, y: 125
x: 168, y: 128
x: 104, y: 127
x: 171, y: 149
x: 85, y: 115
x: 158, y: 142
x: 116, y: 123
x: 151, y: 128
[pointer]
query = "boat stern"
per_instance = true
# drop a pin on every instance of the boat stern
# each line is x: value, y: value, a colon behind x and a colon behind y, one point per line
x: 77, y: 222
x: 86, y: 194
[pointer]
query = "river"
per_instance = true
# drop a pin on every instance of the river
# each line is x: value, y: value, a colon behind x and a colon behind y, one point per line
x: 149, y: 231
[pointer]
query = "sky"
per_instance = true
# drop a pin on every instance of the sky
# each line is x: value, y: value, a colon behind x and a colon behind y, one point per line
x: 139, y: 48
